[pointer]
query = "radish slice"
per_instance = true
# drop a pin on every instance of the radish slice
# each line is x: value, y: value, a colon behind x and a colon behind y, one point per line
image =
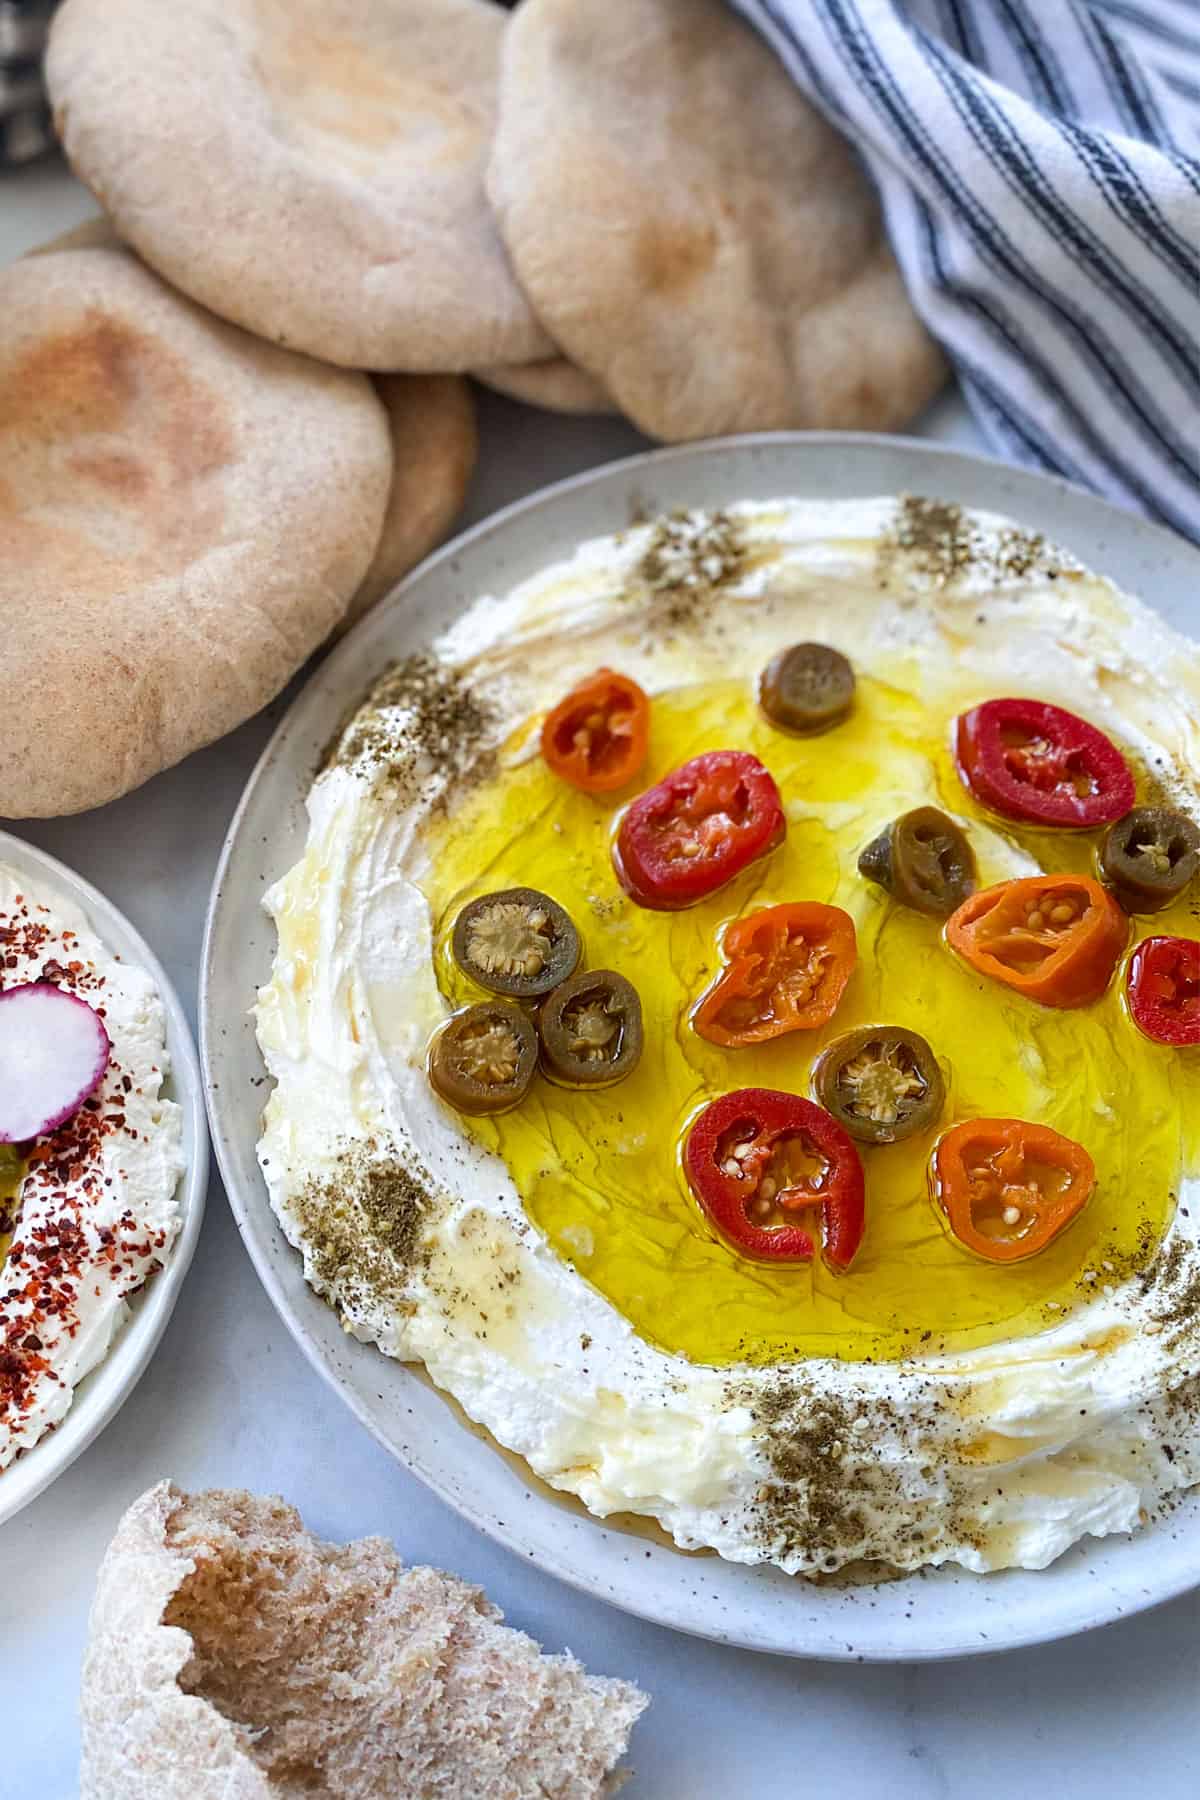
x: 53, y: 1054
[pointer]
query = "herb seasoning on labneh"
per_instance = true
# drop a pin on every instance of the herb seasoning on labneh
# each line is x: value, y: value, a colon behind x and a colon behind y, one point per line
x: 940, y: 542
x: 693, y: 553
x: 420, y: 721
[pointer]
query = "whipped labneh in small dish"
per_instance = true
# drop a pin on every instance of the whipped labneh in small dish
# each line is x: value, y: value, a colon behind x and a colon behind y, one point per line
x: 91, y: 1160
x: 736, y: 1023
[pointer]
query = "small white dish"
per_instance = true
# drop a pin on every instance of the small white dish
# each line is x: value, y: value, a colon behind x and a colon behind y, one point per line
x: 939, y: 1613
x: 102, y: 1392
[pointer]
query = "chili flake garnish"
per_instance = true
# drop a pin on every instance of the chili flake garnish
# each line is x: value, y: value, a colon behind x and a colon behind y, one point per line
x: 67, y: 1239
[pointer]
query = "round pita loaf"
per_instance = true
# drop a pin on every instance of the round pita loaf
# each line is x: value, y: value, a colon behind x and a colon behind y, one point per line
x: 690, y: 230
x: 233, y: 1656
x: 185, y: 513
x: 310, y: 169
x: 555, y: 385
x: 434, y: 447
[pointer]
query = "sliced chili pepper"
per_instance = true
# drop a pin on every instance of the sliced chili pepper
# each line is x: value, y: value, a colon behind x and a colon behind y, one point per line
x: 483, y: 1059
x: 517, y: 942
x: 924, y: 860
x: 786, y: 970
x: 881, y: 1082
x: 1007, y: 1188
x: 1054, y: 938
x: 697, y: 828
x: 591, y: 1029
x: 755, y: 1159
x: 1149, y: 857
x: 807, y: 689
x: 1039, y: 763
x: 596, y: 736
x: 1163, y: 989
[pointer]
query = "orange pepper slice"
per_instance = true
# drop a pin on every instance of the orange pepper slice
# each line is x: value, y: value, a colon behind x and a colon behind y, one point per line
x: 786, y: 970
x: 597, y: 736
x: 1054, y: 938
x: 1007, y: 1188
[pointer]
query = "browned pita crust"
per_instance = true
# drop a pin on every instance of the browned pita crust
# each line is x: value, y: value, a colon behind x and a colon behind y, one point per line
x: 310, y: 169
x: 690, y: 231
x: 556, y: 385
x: 434, y: 447
x: 185, y: 512
x: 232, y: 1656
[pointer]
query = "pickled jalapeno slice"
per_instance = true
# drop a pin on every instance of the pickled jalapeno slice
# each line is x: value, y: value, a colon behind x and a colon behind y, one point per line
x: 517, y: 942
x: 882, y: 1083
x: 483, y: 1059
x: 591, y: 1029
x: 923, y: 860
x: 807, y: 688
x: 1149, y: 857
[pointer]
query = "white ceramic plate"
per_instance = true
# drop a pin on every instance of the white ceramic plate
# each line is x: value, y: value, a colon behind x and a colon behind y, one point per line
x: 102, y: 1393
x: 948, y: 1613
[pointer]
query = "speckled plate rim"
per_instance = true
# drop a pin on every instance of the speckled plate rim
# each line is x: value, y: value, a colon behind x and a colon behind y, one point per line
x: 937, y: 1614
x: 102, y: 1393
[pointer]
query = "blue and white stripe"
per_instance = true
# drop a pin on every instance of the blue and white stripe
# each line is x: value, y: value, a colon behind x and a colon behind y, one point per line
x: 1039, y: 167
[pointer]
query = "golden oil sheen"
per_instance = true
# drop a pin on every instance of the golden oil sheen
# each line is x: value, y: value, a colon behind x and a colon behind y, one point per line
x: 599, y: 1172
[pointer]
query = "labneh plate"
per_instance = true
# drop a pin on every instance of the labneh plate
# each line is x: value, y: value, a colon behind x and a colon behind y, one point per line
x: 937, y: 1614
x: 103, y: 1391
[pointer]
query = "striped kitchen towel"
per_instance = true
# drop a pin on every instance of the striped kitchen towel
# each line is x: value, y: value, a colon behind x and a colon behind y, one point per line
x: 26, y: 130
x: 1039, y: 167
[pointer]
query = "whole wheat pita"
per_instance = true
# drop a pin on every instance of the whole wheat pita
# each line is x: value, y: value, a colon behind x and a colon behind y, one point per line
x: 185, y: 513
x: 90, y: 234
x: 554, y: 384
x: 310, y: 169
x: 233, y: 1656
x: 434, y: 447
x: 689, y: 229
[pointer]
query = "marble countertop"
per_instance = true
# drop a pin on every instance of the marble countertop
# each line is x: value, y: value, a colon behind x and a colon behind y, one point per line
x: 229, y: 1400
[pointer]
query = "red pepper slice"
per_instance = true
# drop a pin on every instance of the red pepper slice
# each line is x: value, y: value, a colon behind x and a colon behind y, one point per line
x: 787, y: 970
x: 756, y: 1158
x: 697, y: 828
x: 1008, y: 1188
x: 1054, y: 938
x: 1038, y: 763
x: 1163, y: 988
x: 596, y: 737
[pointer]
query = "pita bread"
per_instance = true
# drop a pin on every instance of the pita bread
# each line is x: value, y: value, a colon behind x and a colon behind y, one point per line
x: 555, y: 385
x: 91, y: 234
x: 310, y: 169
x: 185, y: 513
x: 689, y: 229
x: 434, y: 447
x: 232, y: 1656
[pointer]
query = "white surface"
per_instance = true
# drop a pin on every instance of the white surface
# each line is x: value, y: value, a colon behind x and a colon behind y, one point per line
x: 102, y: 1393
x: 229, y: 1399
